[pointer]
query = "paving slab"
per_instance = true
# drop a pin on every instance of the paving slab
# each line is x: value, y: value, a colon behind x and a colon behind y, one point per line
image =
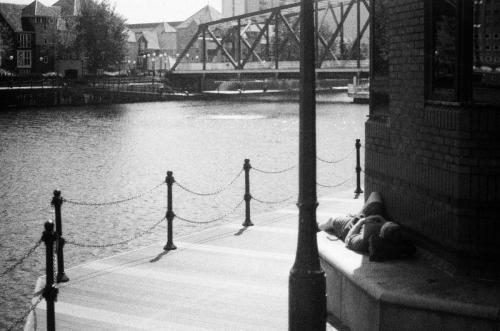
x: 223, y: 278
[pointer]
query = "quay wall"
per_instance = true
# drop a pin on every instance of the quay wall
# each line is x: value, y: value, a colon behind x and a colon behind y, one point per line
x: 45, y: 97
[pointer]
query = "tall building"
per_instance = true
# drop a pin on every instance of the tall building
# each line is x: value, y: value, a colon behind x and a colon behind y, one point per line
x: 239, y: 7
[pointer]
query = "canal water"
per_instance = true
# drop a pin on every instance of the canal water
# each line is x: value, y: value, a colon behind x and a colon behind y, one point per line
x: 111, y: 153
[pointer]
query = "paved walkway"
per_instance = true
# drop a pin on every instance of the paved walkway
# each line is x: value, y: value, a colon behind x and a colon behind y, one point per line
x: 223, y: 278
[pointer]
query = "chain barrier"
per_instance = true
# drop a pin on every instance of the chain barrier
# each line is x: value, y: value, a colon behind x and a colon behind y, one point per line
x: 26, y: 314
x: 336, y: 185
x: 220, y: 190
x: 273, y: 202
x: 339, y: 160
x: 274, y: 172
x: 116, y: 202
x: 213, y: 220
x: 21, y: 260
x: 135, y: 237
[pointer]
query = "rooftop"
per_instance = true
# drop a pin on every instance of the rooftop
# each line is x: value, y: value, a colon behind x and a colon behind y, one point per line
x: 12, y: 14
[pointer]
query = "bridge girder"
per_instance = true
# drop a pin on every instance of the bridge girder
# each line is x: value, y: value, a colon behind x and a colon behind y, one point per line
x: 267, y: 38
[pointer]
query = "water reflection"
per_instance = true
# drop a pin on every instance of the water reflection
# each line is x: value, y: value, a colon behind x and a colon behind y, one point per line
x: 113, y: 152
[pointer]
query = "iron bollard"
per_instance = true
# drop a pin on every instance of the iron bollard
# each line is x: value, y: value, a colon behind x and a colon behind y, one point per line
x: 247, y: 197
x: 50, y: 291
x: 170, y: 180
x: 358, y: 168
x: 57, y: 202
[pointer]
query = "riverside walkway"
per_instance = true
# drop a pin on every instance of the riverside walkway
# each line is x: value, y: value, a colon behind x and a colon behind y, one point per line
x: 223, y: 278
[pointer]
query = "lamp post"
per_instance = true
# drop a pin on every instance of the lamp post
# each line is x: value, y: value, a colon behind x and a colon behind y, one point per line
x: 307, y: 285
x: 147, y: 62
x: 160, y: 67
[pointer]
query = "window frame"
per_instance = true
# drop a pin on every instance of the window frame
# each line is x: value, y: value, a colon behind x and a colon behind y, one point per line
x: 24, y: 40
x: 24, y: 61
x: 462, y: 85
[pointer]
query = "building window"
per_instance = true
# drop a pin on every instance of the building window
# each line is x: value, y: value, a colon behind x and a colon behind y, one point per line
x: 442, y: 36
x: 380, y: 39
x: 486, y: 69
x: 24, y: 40
x: 24, y: 59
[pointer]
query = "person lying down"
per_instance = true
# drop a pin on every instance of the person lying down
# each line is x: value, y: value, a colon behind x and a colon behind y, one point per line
x: 369, y: 232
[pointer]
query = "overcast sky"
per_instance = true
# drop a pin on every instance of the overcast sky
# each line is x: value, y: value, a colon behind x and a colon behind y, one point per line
x: 143, y: 11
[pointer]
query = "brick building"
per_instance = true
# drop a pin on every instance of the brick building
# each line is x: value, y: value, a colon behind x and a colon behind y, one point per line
x: 10, y: 28
x: 151, y: 45
x: 187, y: 29
x: 432, y: 137
x: 29, y: 35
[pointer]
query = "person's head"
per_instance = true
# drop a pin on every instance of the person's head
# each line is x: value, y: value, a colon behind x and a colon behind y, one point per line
x: 391, y: 231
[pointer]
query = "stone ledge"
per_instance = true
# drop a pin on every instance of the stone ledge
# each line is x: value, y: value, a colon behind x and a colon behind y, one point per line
x: 367, y: 295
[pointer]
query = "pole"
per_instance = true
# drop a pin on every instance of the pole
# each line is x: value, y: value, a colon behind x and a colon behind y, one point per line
x: 342, y: 32
x: 316, y: 32
x: 204, y: 56
x: 358, y: 32
x: 358, y: 168
x: 239, y: 44
x: 50, y: 291
x: 307, y: 285
x: 57, y: 202
x: 170, y: 214
x: 247, y: 196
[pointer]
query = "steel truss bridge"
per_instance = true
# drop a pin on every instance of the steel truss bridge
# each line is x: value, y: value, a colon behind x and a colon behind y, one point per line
x: 267, y: 43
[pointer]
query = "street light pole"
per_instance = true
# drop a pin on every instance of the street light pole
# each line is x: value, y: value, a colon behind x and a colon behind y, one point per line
x: 307, y: 285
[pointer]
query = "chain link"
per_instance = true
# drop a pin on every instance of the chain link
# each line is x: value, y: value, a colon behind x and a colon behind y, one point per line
x: 274, y: 172
x: 213, y: 220
x: 273, y: 202
x: 222, y: 189
x: 339, y: 160
x: 336, y: 185
x: 26, y: 314
x: 116, y: 202
x: 135, y: 237
x: 21, y: 260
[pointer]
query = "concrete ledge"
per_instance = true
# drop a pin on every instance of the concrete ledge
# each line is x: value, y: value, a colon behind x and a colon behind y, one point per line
x: 403, y: 295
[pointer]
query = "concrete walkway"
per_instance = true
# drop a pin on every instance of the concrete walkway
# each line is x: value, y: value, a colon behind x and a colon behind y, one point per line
x: 223, y: 278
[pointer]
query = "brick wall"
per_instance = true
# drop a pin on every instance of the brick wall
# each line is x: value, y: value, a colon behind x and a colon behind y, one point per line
x: 436, y: 164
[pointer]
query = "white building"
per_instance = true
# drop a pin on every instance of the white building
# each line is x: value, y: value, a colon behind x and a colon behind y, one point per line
x: 239, y: 7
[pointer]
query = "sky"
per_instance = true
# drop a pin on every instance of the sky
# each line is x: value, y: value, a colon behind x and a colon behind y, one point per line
x: 144, y: 11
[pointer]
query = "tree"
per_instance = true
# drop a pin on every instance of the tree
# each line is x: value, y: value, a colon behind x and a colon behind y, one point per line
x: 100, y: 34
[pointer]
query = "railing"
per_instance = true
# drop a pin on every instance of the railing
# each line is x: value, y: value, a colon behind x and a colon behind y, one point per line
x: 55, y: 242
x: 31, y: 82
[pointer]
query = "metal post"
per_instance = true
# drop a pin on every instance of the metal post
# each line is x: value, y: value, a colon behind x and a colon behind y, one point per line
x: 358, y: 168
x: 170, y: 214
x: 239, y: 44
x: 247, y: 196
x: 276, y: 42
x: 307, y: 284
x: 50, y: 291
x: 57, y: 202
x: 316, y: 32
x: 342, y: 51
x: 358, y: 28
x: 204, y: 56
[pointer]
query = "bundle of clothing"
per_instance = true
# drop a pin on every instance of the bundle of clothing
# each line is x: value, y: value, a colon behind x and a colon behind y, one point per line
x: 370, y: 232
